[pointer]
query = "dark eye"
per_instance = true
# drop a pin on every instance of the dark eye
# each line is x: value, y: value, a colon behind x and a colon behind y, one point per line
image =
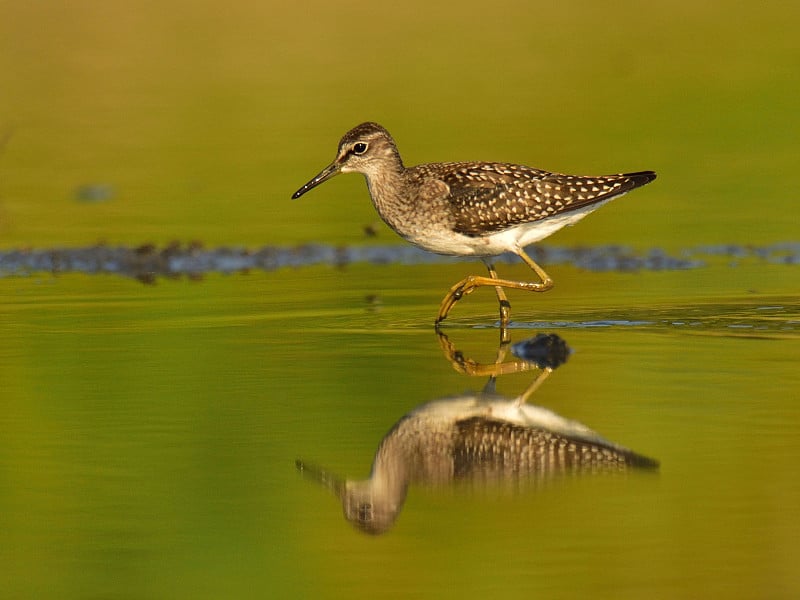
x: 359, y: 148
x: 365, y: 511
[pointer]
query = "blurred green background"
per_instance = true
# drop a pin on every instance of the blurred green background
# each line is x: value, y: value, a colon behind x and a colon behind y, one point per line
x: 148, y: 433
x: 204, y: 117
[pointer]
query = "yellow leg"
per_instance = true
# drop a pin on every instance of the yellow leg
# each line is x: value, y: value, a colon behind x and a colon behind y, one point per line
x: 523, y: 398
x: 468, y: 366
x: 505, y: 305
x: 472, y: 282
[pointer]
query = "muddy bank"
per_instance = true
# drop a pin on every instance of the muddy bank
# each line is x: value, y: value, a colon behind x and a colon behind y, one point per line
x: 148, y: 262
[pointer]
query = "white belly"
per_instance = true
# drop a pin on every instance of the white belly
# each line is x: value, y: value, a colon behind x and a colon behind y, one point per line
x: 444, y: 241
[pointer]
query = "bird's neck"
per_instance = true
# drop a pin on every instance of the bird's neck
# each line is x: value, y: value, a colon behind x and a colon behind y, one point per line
x: 388, y: 189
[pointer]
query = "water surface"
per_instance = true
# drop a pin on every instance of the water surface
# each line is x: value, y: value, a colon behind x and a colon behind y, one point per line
x: 151, y: 434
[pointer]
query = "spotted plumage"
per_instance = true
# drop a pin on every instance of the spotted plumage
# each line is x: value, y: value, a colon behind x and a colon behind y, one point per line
x: 485, y: 198
x: 482, y: 444
x: 473, y: 439
x: 471, y: 208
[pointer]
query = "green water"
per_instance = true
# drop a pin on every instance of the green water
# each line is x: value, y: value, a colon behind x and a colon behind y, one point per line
x: 148, y: 433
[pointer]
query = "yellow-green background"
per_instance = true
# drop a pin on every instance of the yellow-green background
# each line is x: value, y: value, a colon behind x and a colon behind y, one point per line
x: 148, y: 433
x: 206, y: 116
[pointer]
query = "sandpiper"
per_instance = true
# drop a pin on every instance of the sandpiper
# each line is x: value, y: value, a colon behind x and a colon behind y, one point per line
x: 479, y: 209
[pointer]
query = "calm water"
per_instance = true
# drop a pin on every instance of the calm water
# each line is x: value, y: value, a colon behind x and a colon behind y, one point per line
x: 150, y: 435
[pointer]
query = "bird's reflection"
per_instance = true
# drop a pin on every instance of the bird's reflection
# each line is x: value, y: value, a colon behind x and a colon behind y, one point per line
x: 481, y: 437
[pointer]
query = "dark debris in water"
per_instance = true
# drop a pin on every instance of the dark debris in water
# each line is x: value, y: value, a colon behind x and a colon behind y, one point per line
x: 547, y: 350
x: 148, y: 262
x: 95, y: 192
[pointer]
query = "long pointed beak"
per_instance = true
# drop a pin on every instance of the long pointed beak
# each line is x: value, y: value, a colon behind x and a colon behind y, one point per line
x: 330, y: 171
x: 325, y: 478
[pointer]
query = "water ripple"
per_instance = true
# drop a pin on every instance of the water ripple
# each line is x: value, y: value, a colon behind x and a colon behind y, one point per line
x: 740, y: 319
